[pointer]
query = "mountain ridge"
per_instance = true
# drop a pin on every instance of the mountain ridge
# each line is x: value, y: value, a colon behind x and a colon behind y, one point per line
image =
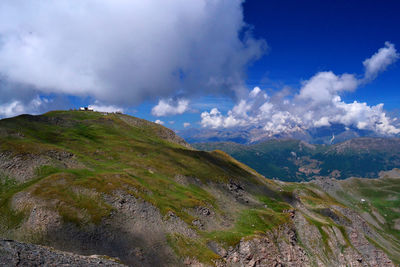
x: 91, y: 183
x: 296, y: 160
x: 332, y: 134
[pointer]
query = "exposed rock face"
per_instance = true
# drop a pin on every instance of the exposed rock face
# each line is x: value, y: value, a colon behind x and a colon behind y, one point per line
x: 14, y: 253
x: 335, y: 247
x: 22, y: 166
x: 135, y: 232
x: 277, y: 248
x: 301, y: 245
x: 41, y: 219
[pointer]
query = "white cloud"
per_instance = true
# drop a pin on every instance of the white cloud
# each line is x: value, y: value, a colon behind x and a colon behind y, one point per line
x: 365, y: 117
x: 159, y: 122
x: 255, y: 91
x: 17, y: 107
x: 212, y: 119
x: 123, y: 52
x: 11, y: 109
x: 186, y: 124
x: 317, y: 104
x: 170, y: 107
x: 242, y: 114
x: 324, y: 85
x: 97, y: 106
x: 380, y: 60
x: 323, y: 121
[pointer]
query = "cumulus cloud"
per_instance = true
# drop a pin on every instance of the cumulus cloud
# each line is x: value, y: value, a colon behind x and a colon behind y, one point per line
x: 213, y: 119
x: 324, y: 85
x: 170, y: 107
x: 123, y: 52
x: 186, y: 124
x: 159, y: 122
x: 317, y: 103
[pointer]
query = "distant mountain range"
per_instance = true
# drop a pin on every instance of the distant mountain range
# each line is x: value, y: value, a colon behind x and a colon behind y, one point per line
x: 333, y: 134
x: 295, y: 160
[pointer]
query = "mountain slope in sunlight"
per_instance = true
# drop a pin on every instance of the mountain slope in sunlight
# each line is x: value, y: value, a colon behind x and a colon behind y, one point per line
x: 115, y: 185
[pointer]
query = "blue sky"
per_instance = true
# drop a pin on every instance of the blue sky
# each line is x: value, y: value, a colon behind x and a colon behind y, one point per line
x: 198, y: 62
x: 310, y: 36
x: 305, y: 37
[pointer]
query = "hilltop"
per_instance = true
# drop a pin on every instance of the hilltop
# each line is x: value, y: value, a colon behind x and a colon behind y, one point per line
x: 111, y: 184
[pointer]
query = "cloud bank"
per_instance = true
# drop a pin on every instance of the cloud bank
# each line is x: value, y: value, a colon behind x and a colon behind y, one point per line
x: 97, y: 106
x: 123, y: 52
x: 318, y: 103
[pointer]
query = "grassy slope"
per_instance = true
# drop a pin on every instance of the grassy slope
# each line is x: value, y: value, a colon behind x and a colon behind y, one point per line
x: 382, y: 202
x: 120, y: 156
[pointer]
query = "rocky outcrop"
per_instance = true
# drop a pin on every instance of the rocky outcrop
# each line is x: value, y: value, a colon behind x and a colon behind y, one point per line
x: 302, y: 244
x: 135, y: 231
x: 14, y: 253
x: 22, y: 167
x: 278, y: 247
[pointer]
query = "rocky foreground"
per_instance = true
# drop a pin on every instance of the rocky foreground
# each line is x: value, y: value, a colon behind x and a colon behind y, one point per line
x: 14, y: 253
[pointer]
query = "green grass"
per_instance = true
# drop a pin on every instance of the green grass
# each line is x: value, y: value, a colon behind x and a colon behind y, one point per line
x: 6, y: 183
x: 275, y: 205
x: 382, y: 195
x: 114, y: 155
x: 72, y: 204
x: 9, y: 218
x: 250, y: 222
x: 323, y: 233
x: 192, y: 248
x: 76, y: 206
x: 168, y: 195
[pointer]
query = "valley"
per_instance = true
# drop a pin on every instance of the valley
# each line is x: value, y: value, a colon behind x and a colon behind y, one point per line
x: 296, y: 161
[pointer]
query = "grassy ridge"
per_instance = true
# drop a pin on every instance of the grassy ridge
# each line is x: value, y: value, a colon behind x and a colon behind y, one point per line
x: 117, y: 153
x: 119, y: 156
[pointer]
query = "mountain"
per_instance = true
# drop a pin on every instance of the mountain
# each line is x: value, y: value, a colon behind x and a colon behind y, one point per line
x: 75, y: 184
x: 332, y: 134
x: 295, y: 160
